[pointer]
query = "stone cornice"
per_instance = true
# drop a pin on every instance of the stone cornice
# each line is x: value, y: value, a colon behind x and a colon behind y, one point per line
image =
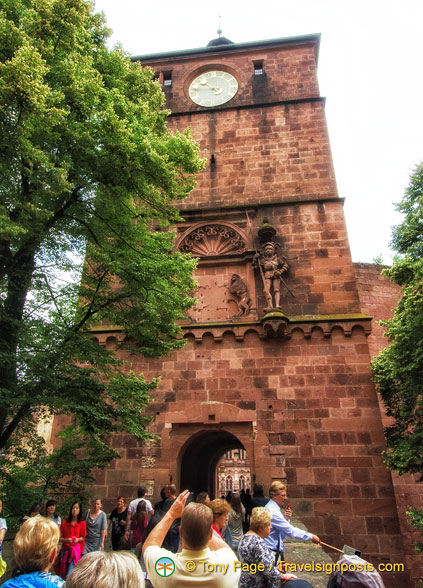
x: 307, y: 324
x: 223, y: 211
x: 248, y: 106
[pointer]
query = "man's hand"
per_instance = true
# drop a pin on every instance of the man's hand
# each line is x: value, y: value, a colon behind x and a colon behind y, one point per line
x: 157, y: 535
x: 177, y: 508
x: 315, y: 539
x: 288, y: 513
x: 287, y: 577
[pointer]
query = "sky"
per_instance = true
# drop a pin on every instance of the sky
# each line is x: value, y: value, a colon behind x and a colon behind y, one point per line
x: 370, y: 71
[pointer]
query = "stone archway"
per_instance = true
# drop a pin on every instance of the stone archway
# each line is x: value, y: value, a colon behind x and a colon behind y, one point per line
x: 200, y: 457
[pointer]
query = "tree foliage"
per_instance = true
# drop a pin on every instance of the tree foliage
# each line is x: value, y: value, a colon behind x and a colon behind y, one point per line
x: 398, y: 370
x: 88, y: 169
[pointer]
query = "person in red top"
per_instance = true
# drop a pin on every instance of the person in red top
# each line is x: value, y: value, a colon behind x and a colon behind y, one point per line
x: 73, y: 531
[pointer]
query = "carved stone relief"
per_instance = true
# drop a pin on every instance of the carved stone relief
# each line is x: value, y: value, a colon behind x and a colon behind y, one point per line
x: 219, y: 296
x: 149, y: 486
x: 212, y: 240
x: 148, y: 461
x: 238, y: 288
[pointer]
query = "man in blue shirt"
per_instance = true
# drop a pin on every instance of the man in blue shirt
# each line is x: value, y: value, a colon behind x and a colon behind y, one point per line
x: 281, y: 527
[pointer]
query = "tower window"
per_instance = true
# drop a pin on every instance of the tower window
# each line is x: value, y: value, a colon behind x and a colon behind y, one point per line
x: 258, y: 68
x: 229, y: 484
x: 167, y: 78
x: 241, y: 483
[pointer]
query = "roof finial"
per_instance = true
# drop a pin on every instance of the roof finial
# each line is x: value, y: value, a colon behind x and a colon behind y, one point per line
x: 219, y: 30
x: 219, y: 40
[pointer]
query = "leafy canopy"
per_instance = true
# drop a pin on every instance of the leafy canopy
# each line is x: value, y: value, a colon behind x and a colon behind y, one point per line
x: 88, y: 169
x: 398, y: 370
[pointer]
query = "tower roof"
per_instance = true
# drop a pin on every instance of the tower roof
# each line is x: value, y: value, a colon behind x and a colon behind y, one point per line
x: 216, y: 45
x: 220, y: 41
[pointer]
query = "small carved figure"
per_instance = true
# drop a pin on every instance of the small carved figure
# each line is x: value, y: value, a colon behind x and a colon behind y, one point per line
x: 272, y: 266
x: 238, y: 288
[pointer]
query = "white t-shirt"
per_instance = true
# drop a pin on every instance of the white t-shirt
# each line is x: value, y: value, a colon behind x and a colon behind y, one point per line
x: 206, y: 569
x: 134, y: 503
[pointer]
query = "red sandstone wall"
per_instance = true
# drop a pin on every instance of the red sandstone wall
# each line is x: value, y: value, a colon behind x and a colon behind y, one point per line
x: 270, y: 141
x: 378, y: 298
x: 274, y: 153
x: 317, y: 423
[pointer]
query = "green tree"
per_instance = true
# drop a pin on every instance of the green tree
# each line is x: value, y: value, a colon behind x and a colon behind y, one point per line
x: 398, y: 369
x: 88, y: 169
x: 378, y: 259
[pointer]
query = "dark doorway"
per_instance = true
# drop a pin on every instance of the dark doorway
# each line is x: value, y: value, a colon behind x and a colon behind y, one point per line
x: 199, y: 461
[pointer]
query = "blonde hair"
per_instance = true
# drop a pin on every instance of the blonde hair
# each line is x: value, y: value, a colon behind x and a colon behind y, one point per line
x: 260, y: 517
x: 115, y: 569
x: 34, y: 544
x: 276, y: 488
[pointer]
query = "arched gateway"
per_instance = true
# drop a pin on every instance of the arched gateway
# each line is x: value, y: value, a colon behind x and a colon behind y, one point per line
x: 200, y: 456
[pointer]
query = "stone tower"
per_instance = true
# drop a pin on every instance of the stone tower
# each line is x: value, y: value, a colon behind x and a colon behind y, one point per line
x: 277, y: 355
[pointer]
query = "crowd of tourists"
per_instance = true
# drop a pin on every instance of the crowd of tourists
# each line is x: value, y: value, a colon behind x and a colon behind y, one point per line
x: 180, y: 541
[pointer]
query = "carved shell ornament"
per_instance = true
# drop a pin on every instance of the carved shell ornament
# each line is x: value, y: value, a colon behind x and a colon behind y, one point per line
x: 211, y: 240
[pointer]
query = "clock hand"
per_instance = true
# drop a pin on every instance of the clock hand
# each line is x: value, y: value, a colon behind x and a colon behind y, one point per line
x: 204, y: 82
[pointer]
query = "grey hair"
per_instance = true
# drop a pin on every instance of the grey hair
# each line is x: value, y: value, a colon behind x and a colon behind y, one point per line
x: 276, y: 488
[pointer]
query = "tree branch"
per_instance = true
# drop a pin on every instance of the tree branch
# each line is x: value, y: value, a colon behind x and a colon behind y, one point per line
x: 114, y: 231
x: 9, y: 430
x: 55, y: 302
x: 30, y: 245
x: 86, y: 225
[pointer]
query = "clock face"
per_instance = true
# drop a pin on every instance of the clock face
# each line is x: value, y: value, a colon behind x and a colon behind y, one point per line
x: 213, y: 88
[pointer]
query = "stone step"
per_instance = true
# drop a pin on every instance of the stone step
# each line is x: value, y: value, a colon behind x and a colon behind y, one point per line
x: 310, y: 557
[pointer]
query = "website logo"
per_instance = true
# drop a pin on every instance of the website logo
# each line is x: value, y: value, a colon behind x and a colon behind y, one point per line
x: 165, y: 567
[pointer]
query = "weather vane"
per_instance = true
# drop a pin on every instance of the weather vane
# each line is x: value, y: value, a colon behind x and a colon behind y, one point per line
x: 219, y: 30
